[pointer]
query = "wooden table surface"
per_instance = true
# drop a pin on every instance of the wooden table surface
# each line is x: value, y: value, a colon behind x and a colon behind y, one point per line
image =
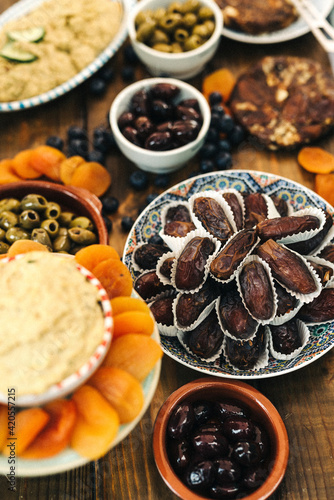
x: 304, y: 398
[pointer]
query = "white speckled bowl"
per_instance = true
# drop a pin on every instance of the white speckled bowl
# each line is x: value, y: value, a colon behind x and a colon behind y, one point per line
x: 182, y: 65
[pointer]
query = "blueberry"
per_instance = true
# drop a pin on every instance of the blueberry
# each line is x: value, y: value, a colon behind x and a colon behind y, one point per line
x: 107, y: 74
x: 208, y: 150
x: 156, y: 240
x: 55, y: 142
x: 139, y: 180
x: 206, y: 165
x: 127, y: 223
x: 226, y: 124
x: 215, y: 98
x: 78, y: 147
x: 219, y: 109
x: 103, y: 140
x: 237, y: 135
x: 224, y: 145
x: 129, y: 54
x: 97, y: 86
x: 76, y: 132
x: 96, y: 156
x: 215, y: 119
x: 150, y: 197
x: 107, y: 222
x: 212, y: 135
x: 127, y: 74
x: 110, y: 204
x: 161, y: 180
x: 223, y: 160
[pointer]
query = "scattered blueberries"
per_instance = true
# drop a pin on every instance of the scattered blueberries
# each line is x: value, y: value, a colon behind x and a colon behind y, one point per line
x: 110, y: 204
x: 55, y: 142
x: 138, y: 180
x: 127, y: 223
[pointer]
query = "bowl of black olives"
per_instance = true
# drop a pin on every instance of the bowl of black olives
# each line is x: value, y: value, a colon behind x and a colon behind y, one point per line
x: 160, y: 123
x: 175, y: 39
x: 63, y: 218
x: 220, y: 439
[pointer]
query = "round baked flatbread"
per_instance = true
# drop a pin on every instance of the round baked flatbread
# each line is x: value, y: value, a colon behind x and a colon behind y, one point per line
x: 284, y: 101
x: 257, y: 16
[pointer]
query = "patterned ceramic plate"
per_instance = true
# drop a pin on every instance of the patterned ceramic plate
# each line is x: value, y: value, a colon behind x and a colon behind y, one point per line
x: 149, y: 223
x: 295, y: 30
x: 21, y: 8
x: 70, y: 459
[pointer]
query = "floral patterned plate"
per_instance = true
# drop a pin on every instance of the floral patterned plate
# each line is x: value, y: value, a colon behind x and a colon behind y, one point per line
x: 149, y: 223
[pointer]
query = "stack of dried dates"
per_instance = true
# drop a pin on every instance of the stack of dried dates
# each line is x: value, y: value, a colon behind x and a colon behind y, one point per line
x: 239, y: 276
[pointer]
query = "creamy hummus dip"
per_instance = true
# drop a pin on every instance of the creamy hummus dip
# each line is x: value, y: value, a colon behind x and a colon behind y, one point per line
x: 51, y: 321
x: 76, y: 32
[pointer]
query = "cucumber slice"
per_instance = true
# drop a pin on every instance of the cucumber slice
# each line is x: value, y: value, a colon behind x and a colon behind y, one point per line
x: 14, y: 54
x: 35, y: 34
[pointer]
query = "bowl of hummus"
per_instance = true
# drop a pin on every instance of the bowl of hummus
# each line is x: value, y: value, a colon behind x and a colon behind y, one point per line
x: 56, y: 326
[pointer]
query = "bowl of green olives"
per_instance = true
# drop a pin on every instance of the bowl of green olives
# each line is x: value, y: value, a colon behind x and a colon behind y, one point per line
x: 220, y: 439
x: 63, y: 218
x: 160, y: 123
x: 175, y: 39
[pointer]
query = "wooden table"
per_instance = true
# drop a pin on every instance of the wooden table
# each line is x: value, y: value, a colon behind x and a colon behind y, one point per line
x: 304, y: 398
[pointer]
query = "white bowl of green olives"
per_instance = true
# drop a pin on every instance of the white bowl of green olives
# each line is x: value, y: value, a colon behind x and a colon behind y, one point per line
x: 175, y: 39
x: 160, y: 123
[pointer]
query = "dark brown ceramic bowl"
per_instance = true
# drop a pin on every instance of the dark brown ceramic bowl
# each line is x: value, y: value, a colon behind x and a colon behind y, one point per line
x: 213, y: 389
x: 77, y: 200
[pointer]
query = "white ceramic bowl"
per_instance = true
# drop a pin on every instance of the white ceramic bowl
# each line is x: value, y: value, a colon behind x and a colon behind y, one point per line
x: 76, y: 379
x: 159, y: 161
x: 183, y: 65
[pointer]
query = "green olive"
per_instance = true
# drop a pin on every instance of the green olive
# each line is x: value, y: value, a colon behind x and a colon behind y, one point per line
x: 16, y: 233
x: 33, y: 202
x: 143, y: 16
x: 82, y: 236
x: 170, y: 22
x: 159, y: 36
x: 28, y: 219
x: 41, y: 235
x: 83, y: 222
x: 193, y: 42
x: 51, y: 226
x: 8, y: 219
x: 176, y: 48
x: 201, y: 31
x: 189, y: 19
x: 210, y: 26
x: 181, y: 35
x: 175, y: 8
x: 2, y: 234
x: 191, y: 6
x: 52, y: 210
x: 66, y: 218
x: 205, y: 13
x: 4, y: 247
x: 62, y: 243
x: 146, y: 30
x: 159, y: 13
x: 11, y: 204
x: 63, y: 231
x: 162, y: 47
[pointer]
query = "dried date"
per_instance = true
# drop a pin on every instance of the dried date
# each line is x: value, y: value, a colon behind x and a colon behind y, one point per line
x: 285, y: 301
x: 245, y: 355
x: 288, y: 267
x: 206, y: 339
x: 212, y: 217
x: 320, y: 310
x: 307, y: 247
x: 148, y: 254
x: 178, y: 213
x: 148, y: 285
x: 190, y: 267
x: 178, y: 229
x: 324, y: 272
x: 280, y: 227
x: 257, y: 290
x: 234, y: 317
x: 190, y: 305
x: 280, y: 205
x: 166, y: 267
x: 233, y: 202
x: 286, y: 338
x: 256, y: 209
x: 233, y: 253
x: 162, y: 310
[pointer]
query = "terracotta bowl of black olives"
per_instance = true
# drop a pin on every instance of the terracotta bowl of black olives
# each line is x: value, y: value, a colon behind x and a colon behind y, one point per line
x: 44, y: 211
x: 220, y: 439
x: 160, y: 123
x: 175, y: 39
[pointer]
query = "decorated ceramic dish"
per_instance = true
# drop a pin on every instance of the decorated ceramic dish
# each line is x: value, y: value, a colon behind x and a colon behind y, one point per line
x: 149, y: 223
x: 23, y: 7
x: 295, y: 30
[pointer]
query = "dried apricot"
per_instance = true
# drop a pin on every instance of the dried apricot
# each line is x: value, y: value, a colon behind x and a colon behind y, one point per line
x: 133, y: 322
x: 68, y: 166
x: 4, y: 421
x: 121, y: 389
x: 221, y: 80
x: 92, y: 176
x: 7, y: 172
x: 23, y: 167
x: 97, y: 423
x: 324, y: 187
x: 24, y: 246
x: 135, y: 353
x: 122, y: 304
x: 316, y: 160
x: 114, y: 276
x: 47, y: 160
x: 90, y: 256
x: 56, y: 435
x: 29, y: 423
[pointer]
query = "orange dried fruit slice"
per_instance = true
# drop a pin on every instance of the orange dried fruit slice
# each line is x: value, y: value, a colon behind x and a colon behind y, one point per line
x: 24, y: 246
x: 222, y: 80
x: 67, y: 168
x: 122, y: 304
x: 28, y: 423
x: 133, y: 322
x: 90, y: 256
x: 92, y: 176
x: 23, y: 166
x: 47, y: 160
x: 7, y: 172
x: 316, y: 160
x: 114, y: 276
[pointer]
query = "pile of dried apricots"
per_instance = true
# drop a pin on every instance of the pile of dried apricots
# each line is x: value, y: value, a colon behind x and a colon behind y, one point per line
x: 88, y: 420
x: 50, y: 162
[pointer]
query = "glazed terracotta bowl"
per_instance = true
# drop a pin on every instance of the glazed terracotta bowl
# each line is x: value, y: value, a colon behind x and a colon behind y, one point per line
x: 182, y: 65
x: 262, y: 411
x: 159, y: 161
x: 70, y: 198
